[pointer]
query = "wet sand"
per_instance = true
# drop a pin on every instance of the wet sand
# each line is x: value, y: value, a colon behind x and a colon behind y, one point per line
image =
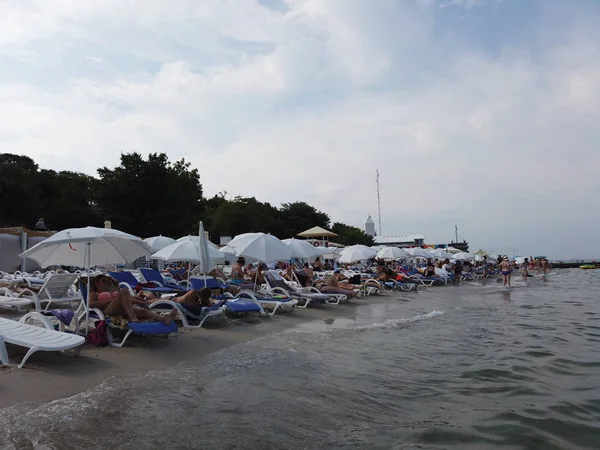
x: 49, y: 376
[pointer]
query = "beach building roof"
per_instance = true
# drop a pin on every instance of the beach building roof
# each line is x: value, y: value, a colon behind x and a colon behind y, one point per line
x: 401, y: 239
x: 316, y: 232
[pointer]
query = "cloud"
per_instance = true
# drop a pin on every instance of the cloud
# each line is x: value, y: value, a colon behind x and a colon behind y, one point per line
x: 305, y: 99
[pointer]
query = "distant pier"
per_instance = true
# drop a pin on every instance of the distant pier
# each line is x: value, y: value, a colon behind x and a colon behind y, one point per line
x: 572, y: 264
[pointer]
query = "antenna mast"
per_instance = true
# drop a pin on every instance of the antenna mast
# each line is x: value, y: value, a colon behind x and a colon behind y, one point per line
x: 456, y: 233
x: 378, y: 202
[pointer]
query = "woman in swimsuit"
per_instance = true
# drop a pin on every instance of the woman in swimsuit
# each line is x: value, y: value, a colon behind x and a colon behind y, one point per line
x: 505, y: 268
x: 237, y: 272
x: 118, y: 302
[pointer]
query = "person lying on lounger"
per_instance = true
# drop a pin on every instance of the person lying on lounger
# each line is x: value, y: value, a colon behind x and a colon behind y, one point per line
x: 333, y: 286
x: 113, y: 301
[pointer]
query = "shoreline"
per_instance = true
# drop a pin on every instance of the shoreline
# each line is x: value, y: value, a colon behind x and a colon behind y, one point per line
x: 48, y: 376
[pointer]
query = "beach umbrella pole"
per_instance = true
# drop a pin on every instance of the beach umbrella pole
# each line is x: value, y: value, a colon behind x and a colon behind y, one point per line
x: 88, y: 263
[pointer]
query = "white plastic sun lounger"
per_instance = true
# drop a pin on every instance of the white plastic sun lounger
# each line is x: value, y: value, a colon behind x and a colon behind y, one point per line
x: 57, y: 288
x: 35, y: 338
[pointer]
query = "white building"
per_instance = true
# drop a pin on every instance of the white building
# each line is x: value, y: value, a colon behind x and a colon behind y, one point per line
x: 370, y: 226
x: 405, y: 240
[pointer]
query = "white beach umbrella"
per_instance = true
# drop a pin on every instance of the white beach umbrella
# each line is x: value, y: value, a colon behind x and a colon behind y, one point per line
x: 206, y: 261
x: 463, y: 256
x: 440, y: 253
x: 356, y: 253
x: 418, y: 252
x: 392, y: 253
x: 330, y: 252
x: 216, y: 254
x: 302, y: 249
x: 157, y: 242
x: 87, y: 247
x: 260, y: 246
x: 187, y: 251
x: 452, y: 250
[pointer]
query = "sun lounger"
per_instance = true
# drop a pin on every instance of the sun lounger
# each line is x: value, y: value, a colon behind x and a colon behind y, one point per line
x: 277, y: 285
x: 57, y: 288
x: 142, y: 328
x: 35, y: 338
x: 128, y: 280
x: 154, y: 276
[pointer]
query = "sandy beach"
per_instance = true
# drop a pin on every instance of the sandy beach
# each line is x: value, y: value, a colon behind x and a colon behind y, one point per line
x: 49, y: 376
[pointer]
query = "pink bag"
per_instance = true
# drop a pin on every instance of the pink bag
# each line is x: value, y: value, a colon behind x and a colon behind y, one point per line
x: 99, y: 335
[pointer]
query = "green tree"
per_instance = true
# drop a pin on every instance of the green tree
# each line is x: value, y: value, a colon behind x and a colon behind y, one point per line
x: 19, y: 191
x: 349, y: 235
x: 300, y: 216
x: 245, y: 215
x: 67, y: 199
x: 150, y: 197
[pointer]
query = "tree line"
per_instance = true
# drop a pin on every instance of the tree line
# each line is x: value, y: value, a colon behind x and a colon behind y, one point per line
x: 147, y: 197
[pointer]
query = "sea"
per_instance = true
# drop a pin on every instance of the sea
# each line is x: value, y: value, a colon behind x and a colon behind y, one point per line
x: 477, y: 366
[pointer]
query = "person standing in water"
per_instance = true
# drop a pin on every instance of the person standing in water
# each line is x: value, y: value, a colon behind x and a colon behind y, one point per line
x: 505, y: 268
x: 525, y: 269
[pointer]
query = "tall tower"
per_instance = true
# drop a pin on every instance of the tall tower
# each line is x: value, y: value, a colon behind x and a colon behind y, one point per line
x: 370, y: 226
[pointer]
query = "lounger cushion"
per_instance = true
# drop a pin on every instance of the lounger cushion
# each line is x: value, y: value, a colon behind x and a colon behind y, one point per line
x: 152, y: 327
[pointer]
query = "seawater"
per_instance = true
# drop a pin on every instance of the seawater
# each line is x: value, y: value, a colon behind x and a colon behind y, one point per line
x: 470, y: 367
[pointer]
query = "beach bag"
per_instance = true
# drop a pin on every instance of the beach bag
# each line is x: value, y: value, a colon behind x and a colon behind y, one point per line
x: 99, y: 336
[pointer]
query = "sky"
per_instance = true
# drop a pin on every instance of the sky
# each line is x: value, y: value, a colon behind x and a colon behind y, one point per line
x: 477, y: 113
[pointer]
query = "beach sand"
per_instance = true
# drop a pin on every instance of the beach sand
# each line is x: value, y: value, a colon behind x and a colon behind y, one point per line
x: 49, y: 376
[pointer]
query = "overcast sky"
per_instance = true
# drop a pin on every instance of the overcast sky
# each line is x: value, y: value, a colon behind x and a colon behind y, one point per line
x: 480, y: 113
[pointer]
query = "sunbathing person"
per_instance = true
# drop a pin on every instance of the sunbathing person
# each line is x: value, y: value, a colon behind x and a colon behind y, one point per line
x: 333, y: 286
x: 237, y: 271
x: 119, y: 302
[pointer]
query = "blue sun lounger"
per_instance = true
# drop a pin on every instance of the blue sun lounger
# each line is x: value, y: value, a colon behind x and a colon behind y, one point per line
x: 154, y: 276
x: 145, y: 328
x: 129, y: 281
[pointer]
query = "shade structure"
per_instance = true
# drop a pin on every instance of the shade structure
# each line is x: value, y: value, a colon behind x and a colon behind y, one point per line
x: 330, y: 252
x: 216, y: 254
x: 87, y: 247
x: 440, y: 253
x: 481, y: 252
x: 392, y: 253
x: 316, y: 232
x: 356, y: 253
x: 463, y: 256
x: 157, y: 242
x: 187, y: 251
x: 206, y: 262
x: 260, y: 246
x: 418, y: 252
x: 302, y: 249
x: 452, y: 250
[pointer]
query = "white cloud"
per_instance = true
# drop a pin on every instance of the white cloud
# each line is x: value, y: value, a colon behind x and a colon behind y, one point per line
x: 304, y: 102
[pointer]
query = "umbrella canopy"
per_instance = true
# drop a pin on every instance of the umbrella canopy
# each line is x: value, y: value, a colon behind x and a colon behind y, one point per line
x: 330, y: 252
x: 302, y: 249
x: 188, y: 250
x: 260, y: 246
x: 206, y: 261
x: 356, y: 253
x: 315, y: 232
x: 157, y: 242
x: 392, y: 253
x: 463, y: 256
x: 418, y: 252
x: 440, y: 253
x: 87, y: 247
x: 452, y: 250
